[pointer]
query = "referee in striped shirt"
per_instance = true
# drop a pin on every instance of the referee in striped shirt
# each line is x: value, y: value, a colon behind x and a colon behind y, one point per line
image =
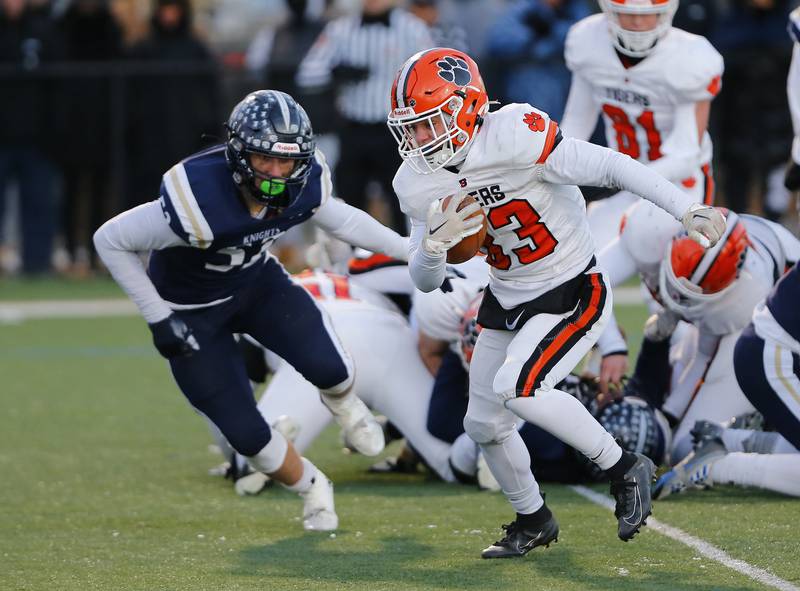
x: 360, y: 55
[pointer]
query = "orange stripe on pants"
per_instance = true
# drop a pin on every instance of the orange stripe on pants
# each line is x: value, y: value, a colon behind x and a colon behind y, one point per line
x: 571, y: 328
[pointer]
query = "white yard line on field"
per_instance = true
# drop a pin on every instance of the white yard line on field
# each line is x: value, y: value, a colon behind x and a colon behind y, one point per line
x: 11, y: 312
x: 17, y: 311
x: 701, y: 546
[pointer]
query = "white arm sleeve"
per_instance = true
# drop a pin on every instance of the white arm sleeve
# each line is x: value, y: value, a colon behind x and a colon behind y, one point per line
x: 427, y: 270
x: 140, y: 229
x: 575, y: 162
x: 358, y: 228
x: 681, y: 149
x: 793, y: 91
x: 581, y: 112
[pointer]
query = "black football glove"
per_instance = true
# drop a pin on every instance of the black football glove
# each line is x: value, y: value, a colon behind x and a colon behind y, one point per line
x: 173, y: 337
x: 792, y: 179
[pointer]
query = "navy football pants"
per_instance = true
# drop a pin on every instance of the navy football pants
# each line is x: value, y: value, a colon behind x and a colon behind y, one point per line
x: 769, y: 376
x: 280, y: 315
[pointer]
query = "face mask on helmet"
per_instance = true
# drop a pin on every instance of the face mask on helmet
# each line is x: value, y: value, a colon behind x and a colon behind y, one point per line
x: 469, y: 331
x: 271, y: 124
x: 637, y: 25
x: 691, y: 276
x: 438, y: 101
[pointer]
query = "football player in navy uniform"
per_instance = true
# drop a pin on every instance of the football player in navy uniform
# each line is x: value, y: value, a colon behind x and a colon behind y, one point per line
x: 210, y: 275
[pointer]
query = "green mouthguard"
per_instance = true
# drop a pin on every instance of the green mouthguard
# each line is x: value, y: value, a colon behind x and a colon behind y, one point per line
x: 272, y: 187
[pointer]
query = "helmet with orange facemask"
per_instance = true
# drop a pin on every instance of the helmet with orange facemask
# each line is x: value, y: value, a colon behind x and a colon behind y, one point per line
x: 638, y: 43
x: 442, y: 91
x: 691, y: 276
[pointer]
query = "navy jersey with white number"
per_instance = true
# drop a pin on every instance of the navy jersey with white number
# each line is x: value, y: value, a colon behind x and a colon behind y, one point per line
x: 226, y: 245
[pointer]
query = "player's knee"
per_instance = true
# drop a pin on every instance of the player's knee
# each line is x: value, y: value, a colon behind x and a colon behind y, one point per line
x: 271, y: 456
x: 483, y: 431
x: 334, y: 376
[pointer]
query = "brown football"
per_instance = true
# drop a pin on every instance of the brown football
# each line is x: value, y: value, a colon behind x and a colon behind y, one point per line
x: 468, y: 247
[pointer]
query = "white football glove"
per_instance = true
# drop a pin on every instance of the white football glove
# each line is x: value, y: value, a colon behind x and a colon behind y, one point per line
x: 446, y: 227
x: 660, y: 326
x: 704, y: 224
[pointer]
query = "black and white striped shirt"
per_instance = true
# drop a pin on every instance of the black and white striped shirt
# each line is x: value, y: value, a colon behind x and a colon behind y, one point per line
x: 381, y: 48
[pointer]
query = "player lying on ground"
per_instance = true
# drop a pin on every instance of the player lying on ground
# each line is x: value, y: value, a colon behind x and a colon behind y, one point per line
x: 210, y: 275
x: 766, y: 359
x: 546, y: 302
x: 686, y: 365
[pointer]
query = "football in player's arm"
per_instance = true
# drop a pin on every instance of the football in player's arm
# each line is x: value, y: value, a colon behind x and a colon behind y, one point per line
x: 546, y: 301
x: 210, y: 275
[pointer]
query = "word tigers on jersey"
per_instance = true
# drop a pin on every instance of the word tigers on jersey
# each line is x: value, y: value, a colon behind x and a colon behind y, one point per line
x: 488, y: 195
x: 627, y: 96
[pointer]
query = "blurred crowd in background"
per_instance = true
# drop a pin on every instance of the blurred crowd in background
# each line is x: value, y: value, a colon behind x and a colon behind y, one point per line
x: 99, y: 97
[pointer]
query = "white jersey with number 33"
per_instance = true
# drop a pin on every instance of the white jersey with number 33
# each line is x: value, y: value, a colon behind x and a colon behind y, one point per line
x: 538, y: 236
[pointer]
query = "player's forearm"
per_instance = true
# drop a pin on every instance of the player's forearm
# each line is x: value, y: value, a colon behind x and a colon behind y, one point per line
x: 581, y: 163
x: 427, y: 270
x: 118, y: 241
x: 358, y: 228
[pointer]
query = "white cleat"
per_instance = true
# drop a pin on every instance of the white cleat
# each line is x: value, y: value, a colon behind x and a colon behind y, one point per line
x: 319, y: 513
x: 486, y: 480
x: 362, y: 431
x: 694, y: 471
x: 252, y: 484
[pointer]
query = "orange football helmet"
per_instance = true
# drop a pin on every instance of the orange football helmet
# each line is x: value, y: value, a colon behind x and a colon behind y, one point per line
x: 638, y: 43
x: 691, y: 275
x: 438, y: 101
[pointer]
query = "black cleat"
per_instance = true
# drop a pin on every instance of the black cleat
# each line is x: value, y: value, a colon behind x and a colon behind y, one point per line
x: 632, y: 494
x: 519, y: 540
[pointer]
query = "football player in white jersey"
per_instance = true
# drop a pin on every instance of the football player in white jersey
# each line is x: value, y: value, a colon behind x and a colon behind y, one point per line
x: 546, y: 300
x: 715, y: 291
x: 653, y: 85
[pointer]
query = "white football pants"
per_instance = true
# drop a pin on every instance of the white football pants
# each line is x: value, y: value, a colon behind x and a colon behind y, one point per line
x: 389, y: 377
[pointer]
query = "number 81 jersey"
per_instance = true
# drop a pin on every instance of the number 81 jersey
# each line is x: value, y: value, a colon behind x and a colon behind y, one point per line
x: 648, y: 108
x: 538, y: 236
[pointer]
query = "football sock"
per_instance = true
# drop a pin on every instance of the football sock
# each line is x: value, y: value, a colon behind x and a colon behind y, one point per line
x: 306, y: 479
x: 565, y: 417
x: 535, y: 519
x: 775, y: 472
x: 272, y: 455
x: 510, y: 464
x: 625, y: 463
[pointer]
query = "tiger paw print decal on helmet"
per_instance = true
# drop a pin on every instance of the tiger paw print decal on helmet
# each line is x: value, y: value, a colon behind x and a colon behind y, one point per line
x: 454, y: 70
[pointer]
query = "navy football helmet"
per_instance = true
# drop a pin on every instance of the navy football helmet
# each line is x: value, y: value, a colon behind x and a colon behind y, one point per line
x: 637, y: 427
x: 270, y: 123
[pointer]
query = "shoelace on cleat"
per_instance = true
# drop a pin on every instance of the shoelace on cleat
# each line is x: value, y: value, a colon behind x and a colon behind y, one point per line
x: 510, y: 529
